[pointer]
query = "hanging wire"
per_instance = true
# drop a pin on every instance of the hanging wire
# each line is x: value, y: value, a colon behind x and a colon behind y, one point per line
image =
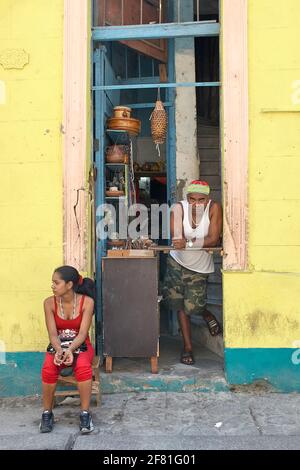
x: 133, y: 197
x: 158, y: 150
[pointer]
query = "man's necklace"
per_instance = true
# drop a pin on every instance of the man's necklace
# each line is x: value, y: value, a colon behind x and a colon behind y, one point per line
x: 194, y: 221
x: 62, y: 313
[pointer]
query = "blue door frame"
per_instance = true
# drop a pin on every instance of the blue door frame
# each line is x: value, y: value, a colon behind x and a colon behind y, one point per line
x: 100, y: 88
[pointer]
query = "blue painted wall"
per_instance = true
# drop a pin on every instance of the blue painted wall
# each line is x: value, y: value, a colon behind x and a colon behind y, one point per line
x: 21, y: 375
x: 280, y: 367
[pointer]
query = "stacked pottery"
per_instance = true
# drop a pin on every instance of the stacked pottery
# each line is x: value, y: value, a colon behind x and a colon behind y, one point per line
x: 122, y: 121
x: 116, y: 154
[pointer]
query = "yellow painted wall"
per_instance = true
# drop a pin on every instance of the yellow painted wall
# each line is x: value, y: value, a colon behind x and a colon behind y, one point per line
x: 262, y: 307
x: 30, y: 167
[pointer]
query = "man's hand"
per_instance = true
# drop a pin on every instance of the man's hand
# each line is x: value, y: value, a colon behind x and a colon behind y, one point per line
x: 179, y: 243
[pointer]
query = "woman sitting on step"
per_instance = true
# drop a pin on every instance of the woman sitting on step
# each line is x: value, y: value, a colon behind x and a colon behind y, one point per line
x: 68, y: 318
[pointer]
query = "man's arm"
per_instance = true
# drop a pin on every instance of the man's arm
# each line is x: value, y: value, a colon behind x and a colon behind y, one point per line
x: 176, y: 227
x: 215, y: 227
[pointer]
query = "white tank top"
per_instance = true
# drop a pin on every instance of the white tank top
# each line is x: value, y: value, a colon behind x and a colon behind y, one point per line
x: 199, y: 261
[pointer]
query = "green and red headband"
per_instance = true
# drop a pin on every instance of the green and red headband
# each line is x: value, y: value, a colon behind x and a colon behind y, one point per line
x: 197, y: 186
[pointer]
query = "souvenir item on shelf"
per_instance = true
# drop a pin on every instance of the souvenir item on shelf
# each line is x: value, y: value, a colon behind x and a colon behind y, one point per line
x: 122, y: 121
x: 122, y: 112
x: 116, y: 243
x: 146, y: 167
x: 110, y: 193
x: 141, y: 243
x: 159, y: 123
x: 154, y: 166
x: 132, y: 126
x: 162, y: 165
x: 136, y: 166
x: 116, y: 181
x: 116, y: 154
x: 114, y: 236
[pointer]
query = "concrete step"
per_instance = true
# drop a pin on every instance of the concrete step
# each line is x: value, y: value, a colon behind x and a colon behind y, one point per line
x: 209, y: 168
x: 209, y: 155
x: 200, y: 333
x: 216, y: 195
x: 214, y: 182
x: 134, y: 375
x: 205, y: 141
x: 208, y: 130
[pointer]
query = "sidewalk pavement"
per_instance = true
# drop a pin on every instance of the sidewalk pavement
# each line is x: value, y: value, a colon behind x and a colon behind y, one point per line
x: 159, y: 421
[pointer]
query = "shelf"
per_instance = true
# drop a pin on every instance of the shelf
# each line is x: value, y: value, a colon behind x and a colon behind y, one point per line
x: 149, y: 173
x: 116, y: 164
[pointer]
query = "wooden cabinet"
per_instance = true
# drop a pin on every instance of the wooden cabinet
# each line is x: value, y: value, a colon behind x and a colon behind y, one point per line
x: 130, y: 309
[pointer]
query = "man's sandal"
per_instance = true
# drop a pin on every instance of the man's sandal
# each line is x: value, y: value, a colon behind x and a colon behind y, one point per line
x: 213, y: 325
x: 187, y: 358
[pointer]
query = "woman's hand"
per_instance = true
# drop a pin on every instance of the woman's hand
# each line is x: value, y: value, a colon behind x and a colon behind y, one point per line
x: 68, y: 357
x: 58, y: 357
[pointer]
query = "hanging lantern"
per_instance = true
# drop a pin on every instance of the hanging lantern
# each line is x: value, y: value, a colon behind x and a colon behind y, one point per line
x: 159, y: 123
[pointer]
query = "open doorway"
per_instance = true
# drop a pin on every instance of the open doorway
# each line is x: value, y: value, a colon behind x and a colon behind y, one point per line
x: 207, y: 66
x: 126, y: 63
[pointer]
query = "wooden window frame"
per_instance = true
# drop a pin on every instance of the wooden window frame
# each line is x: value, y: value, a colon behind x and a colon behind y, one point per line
x: 234, y: 128
x: 235, y: 132
x: 74, y: 129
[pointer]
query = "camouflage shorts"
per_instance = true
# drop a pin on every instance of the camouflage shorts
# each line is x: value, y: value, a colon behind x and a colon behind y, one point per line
x: 184, y: 289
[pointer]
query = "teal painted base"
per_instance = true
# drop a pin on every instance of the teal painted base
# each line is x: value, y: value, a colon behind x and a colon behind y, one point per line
x: 275, y: 365
x: 21, y: 375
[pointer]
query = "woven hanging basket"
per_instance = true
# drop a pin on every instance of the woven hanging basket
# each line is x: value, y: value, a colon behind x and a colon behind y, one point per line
x: 159, y: 123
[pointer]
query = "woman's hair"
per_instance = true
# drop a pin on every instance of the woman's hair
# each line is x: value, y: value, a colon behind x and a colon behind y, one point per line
x: 84, y: 286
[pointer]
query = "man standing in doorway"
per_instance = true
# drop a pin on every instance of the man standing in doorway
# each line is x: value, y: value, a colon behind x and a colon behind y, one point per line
x: 195, y: 223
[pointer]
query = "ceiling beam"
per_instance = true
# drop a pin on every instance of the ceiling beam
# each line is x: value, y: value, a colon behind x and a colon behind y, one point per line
x: 156, y: 31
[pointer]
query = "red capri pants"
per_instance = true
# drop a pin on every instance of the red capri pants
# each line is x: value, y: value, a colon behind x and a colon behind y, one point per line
x: 82, y: 366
